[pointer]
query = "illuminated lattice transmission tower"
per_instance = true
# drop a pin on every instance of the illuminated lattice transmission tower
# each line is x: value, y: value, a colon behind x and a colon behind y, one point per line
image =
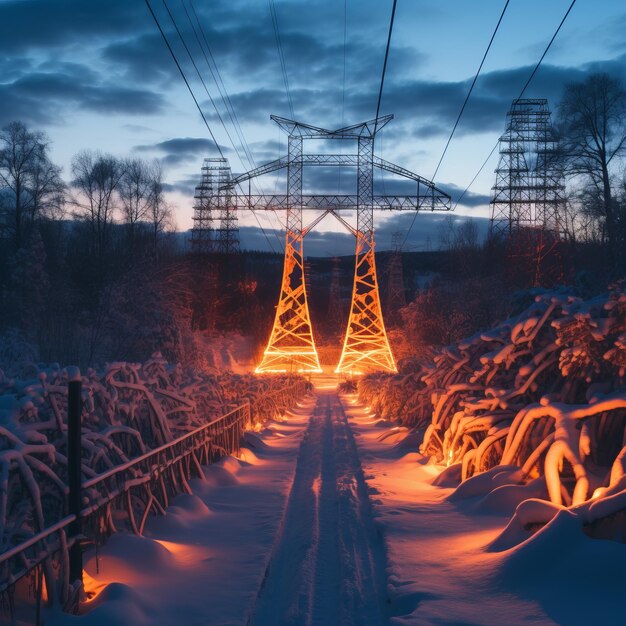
x: 213, y: 204
x: 529, y: 192
x: 291, y: 346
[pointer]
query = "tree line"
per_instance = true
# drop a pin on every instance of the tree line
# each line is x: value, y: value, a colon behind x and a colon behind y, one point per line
x: 103, y: 190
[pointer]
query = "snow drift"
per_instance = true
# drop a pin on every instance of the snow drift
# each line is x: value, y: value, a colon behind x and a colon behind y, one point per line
x: 539, y: 401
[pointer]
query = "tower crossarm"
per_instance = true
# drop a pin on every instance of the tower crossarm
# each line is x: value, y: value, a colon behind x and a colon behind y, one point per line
x: 344, y: 202
x: 401, y: 171
x: 425, y: 188
x: 363, y: 129
x: 266, y: 168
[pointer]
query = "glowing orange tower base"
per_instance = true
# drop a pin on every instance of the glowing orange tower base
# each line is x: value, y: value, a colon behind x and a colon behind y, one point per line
x: 291, y: 347
x: 366, y: 346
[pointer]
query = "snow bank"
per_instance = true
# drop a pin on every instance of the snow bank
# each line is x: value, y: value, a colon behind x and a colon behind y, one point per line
x: 128, y: 409
x: 533, y: 408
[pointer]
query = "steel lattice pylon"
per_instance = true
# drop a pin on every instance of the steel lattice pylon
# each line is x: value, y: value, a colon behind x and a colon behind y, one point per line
x: 529, y: 189
x: 291, y: 346
x: 214, y: 202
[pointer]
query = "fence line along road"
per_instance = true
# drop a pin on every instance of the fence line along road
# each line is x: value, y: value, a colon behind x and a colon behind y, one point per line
x: 127, y: 494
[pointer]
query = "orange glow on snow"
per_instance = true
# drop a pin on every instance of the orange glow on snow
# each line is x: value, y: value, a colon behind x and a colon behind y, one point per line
x: 92, y: 586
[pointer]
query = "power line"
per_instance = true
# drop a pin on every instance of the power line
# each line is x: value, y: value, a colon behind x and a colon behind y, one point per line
x: 182, y: 73
x: 343, y: 92
x: 556, y: 32
x: 215, y: 73
x: 195, y: 66
x: 469, y: 93
x: 382, y: 78
x: 480, y: 169
x: 532, y: 75
x: 269, y: 243
x: 281, y: 55
x: 217, y: 77
x: 345, y: 38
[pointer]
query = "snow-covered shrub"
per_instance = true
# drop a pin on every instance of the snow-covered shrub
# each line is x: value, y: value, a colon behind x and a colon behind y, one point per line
x: 544, y: 391
x: 128, y: 409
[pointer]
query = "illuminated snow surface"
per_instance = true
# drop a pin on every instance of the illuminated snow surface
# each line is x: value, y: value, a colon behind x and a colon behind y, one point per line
x: 331, y: 518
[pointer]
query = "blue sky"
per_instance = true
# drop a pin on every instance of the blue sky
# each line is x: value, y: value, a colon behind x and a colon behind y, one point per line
x: 97, y: 75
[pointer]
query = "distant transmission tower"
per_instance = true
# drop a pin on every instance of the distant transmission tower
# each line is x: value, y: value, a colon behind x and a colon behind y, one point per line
x: 396, y: 295
x: 335, y: 308
x: 529, y: 193
x: 529, y: 189
x: 214, y: 202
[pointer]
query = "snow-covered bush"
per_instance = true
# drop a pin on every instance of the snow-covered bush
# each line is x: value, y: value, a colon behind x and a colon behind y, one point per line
x: 128, y: 409
x: 544, y: 392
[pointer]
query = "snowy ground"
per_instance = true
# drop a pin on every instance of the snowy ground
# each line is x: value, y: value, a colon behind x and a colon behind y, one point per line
x: 330, y: 518
x: 441, y: 566
x: 203, y: 562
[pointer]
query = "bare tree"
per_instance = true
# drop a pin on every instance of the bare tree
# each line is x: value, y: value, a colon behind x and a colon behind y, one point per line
x: 160, y: 214
x: 33, y: 186
x: 593, y: 122
x: 135, y: 191
x: 96, y: 178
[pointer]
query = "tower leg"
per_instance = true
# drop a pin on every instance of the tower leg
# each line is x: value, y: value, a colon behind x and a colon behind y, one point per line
x: 366, y: 347
x: 291, y: 347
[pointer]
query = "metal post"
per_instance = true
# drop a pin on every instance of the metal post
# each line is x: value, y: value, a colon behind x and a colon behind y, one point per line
x: 74, y: 434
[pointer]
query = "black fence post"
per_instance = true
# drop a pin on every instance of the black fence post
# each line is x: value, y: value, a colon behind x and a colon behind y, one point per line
x: 74, y: 434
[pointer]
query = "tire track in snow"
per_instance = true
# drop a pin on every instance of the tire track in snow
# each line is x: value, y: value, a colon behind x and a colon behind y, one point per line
x: 328, y: 562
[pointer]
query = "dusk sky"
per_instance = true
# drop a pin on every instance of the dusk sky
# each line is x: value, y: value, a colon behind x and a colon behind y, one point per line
x: 97, y: 75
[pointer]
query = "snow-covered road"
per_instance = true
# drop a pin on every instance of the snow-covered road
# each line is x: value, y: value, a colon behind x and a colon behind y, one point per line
x: 282, y: 535
x: 327, y: 566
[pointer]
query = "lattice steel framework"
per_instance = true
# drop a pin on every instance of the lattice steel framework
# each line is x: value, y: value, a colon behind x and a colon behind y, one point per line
x: 214, y: 202
x: 529, y: 192
x: 291, y: 346
x: 366, y: 346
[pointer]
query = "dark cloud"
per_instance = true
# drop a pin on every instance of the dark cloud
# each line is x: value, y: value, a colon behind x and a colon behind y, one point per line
x: 118, y: 35
x: 42, y: 96
x: 425, y: 109
x: 142, y: 58
x: 183, y: 149
x: 185, y: 186
x: 42, y: 24
x: 470, y: 199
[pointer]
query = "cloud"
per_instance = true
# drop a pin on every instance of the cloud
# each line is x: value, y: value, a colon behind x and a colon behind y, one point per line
x: 470, y: 199
x: 129, y: 66
x: 143, y: 58
x: 183, y: 149
x: 59, y: 23
x: 185, y: 186
x: 42, y: 96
